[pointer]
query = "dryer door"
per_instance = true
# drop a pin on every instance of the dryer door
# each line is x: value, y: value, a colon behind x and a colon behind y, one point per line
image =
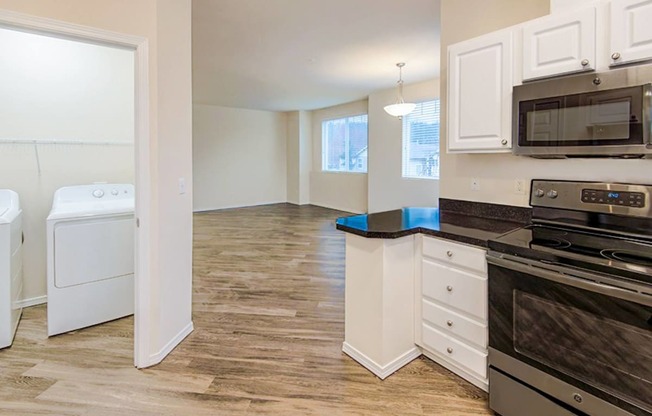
x: 91, y: 272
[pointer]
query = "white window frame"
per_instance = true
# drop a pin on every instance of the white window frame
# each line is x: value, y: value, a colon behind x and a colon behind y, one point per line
x: 405, y: 146
x: 324, y: 143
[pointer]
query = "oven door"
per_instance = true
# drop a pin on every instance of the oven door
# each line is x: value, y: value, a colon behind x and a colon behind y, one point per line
x: 586, y: 343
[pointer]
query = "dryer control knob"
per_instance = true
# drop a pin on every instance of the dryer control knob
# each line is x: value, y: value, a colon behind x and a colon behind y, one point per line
x: 98, y: 193
x: 114, y: 192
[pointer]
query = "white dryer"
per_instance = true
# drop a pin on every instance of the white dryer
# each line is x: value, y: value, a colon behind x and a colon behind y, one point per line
x: 11, y: 265
x: 90, y: 250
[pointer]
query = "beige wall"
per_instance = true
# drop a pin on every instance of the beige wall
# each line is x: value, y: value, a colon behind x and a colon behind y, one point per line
x: 387, y: 188
x: 57, y: 89
x: 299, y: 157
x: 337, y: 190
x: 166, y: 23
x: 239, y: 157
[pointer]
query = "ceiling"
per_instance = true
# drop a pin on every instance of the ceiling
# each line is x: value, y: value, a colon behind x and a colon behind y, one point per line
x: 284, y: 55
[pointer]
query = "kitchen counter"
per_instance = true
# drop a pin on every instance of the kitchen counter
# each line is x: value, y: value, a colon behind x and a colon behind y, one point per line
x: 462, y: 221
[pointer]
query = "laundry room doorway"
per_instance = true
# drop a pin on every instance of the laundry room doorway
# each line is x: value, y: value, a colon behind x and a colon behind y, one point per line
x: 74, y: 134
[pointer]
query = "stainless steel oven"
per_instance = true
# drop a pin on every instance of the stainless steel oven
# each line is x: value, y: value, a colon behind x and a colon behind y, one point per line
x: 570, y: 304
x: 604, y: 114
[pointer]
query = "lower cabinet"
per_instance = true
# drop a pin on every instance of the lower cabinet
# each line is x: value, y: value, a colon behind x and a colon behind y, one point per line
x: 451, y: 307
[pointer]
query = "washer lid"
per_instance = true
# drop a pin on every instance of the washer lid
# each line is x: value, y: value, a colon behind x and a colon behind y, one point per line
x: 90, y: 209
x: 9, y: 206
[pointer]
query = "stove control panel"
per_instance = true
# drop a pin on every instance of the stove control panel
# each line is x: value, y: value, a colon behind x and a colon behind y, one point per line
x: 609, y: 197
x: 631, y: 200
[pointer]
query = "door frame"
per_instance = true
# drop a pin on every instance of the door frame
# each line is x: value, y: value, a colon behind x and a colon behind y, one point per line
x: 142, y: 257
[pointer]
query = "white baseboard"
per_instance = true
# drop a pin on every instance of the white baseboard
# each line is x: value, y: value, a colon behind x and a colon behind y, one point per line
x: 336, y: 208
x: 466, y: 375
x: 245, y: 205
x: 159, y: 356
x: 381, y: 371
x: 38, y: 300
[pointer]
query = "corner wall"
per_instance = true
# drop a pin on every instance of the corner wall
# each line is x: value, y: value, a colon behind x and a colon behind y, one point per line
x: 387, y: 188
x: 336, y: 190
x: 239, y: 157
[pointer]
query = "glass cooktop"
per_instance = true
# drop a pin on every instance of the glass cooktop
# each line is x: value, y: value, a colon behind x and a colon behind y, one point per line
x: 620, y: 256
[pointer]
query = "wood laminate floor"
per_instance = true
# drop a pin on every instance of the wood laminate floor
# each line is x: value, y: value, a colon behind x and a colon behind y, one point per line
x: 268, y: 313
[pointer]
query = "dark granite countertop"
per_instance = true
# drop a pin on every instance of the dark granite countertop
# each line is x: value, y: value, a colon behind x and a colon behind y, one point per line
x: 463, y: 221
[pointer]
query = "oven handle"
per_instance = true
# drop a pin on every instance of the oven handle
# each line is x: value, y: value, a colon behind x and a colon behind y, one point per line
x: 571, y: 278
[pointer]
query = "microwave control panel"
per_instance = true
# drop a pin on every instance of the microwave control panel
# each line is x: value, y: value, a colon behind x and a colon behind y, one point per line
x: 626, y: 199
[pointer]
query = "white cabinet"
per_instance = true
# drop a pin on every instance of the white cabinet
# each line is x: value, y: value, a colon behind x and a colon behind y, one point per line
x: 560, y: 44
x: 480, y: 94
x: 451, y: 314
x: 631, y: 31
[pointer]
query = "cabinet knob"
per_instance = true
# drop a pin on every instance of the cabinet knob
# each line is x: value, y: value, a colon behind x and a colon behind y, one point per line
x: 449, y: 253
x: 449, y: 323
x: 449, y: 288
x: 503, y: 142
x: 449, y: 350
x: 615, y: 56
x: 585, y: 62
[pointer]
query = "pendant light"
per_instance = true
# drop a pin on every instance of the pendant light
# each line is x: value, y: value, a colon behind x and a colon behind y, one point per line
x: 401, y: 108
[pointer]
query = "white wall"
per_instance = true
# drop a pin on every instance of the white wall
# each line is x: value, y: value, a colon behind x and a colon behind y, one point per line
x: 497, y: 172
x: 239, y: 157
x: 387, y: 188
x: 56, y: 89
x: 166, y: 24
x: 337, y: 190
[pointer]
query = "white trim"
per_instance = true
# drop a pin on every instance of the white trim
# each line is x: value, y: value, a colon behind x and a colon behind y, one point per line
x: 172, y: 344
x: 139, y: 45
x: 257, y: 204
x: 349, y: 210
x: 388, y: 369
x: 37, y: 300
x: 458, y: 370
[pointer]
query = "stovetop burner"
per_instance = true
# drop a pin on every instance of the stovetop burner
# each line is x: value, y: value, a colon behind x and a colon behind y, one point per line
x: 611, y: 254
x: 638, y: 258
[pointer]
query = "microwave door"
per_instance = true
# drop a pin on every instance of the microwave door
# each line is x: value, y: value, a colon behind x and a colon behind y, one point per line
x: 543, y: 122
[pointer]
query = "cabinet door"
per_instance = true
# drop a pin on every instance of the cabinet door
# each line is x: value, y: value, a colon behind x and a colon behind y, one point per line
x: 559, y: 44
x: 480, y: 94
x: 631, y: 31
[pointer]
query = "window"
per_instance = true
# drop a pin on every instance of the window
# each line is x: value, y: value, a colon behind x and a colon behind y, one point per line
x: 344, y: 144
x: 421, y: 141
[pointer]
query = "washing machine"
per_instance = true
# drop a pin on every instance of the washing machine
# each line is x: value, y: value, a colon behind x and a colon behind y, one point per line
x: 11, y: 265
x: 90, y: 256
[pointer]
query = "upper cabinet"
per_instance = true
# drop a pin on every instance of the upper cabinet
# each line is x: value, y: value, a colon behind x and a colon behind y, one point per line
x: 480, y: 94
x: 560, y: 44
x: 631, y: 31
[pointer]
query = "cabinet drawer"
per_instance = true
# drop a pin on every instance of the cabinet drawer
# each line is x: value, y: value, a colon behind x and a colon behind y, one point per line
x: 455, y: 254
x: 454, y: 323
x: 456, y: 288
x: 456, y: 351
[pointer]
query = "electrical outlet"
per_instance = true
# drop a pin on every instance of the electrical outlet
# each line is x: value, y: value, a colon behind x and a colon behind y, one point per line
x: 475, y: 184
x: 519, y: 186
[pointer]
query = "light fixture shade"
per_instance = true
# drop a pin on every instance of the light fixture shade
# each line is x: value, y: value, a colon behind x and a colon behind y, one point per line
x: 400, y: 109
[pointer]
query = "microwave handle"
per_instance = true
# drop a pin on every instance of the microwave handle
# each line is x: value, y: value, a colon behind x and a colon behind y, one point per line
x: 647, y: 114
x: 565, y: 276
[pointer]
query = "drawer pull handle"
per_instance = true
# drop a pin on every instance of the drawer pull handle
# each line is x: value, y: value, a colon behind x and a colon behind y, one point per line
x: 449, y: 323
x: 449, y: 288
x: 449, y: 253
x: 449, y: 350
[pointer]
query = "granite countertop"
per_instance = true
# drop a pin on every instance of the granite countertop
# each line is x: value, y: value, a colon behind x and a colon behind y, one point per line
x: 463, y: 221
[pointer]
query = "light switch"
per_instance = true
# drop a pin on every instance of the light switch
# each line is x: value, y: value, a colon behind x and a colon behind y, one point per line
x: 182, y: 186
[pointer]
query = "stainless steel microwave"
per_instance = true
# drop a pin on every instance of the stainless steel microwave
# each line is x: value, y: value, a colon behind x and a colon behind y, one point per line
x: 590, y: 115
